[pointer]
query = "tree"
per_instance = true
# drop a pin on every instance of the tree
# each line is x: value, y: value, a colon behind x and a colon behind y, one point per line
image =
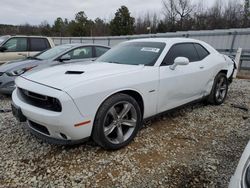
x: 183, y: 9
x: 100, y: 28
x: 82, y: 26
x: 123, y: 23
x: 233, y: 15
x: 200, y: 16
x: 215, y: 16
x: 27, y: 29
x: 162, y: 27
x: 169, y: 10
x: 246, y: 14
x: 58, y: 26
x: 139, y: 26
x: 45, y: 28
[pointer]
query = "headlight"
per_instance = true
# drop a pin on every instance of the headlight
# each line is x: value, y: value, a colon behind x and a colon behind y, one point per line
x: 19, y: 71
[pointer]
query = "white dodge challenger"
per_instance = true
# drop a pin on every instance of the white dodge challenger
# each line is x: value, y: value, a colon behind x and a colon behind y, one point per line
x: 108, y: 99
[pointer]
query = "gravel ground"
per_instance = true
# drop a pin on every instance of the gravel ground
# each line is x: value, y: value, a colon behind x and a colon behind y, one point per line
x: 197, y: 146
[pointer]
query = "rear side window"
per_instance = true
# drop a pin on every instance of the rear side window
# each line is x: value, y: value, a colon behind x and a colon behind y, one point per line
x: 100, y: 50
x: 202, y: 52
x: 181, y: 50
x: 81, y: 53
x: 38, y: 44
x: 16, y: 45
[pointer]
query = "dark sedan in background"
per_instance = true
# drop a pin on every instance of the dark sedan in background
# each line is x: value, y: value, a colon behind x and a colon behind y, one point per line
x: 67, y: 53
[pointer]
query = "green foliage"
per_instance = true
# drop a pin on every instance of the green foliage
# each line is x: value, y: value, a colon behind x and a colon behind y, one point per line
x: 123, y: 23
x: 58, y: 26
x: 81, y: 26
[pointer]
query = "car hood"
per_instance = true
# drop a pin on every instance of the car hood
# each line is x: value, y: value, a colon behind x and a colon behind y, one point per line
x: 56, y: 63
x: 65, y: 76
x: 15, y: 65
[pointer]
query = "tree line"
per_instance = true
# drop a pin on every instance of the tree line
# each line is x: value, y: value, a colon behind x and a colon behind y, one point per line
x: 176, y: 15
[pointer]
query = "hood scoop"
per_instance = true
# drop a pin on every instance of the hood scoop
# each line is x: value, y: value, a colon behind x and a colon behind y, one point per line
x: 74, y: 72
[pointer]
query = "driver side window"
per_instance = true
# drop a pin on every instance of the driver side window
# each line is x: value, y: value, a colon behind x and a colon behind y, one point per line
x: 16, y: 45
x: 181, y: 50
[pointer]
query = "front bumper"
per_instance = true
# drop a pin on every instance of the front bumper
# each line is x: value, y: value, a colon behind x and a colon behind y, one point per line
x: 7, y: 84
x: 50, y: 124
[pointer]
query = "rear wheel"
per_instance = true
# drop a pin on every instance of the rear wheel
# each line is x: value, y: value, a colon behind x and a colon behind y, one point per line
x: 117, y: 122
x: 219, y: 90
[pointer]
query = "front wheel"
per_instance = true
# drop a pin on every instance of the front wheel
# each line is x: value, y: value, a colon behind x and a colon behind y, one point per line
x: 219, y: 90
x: 117, y: 122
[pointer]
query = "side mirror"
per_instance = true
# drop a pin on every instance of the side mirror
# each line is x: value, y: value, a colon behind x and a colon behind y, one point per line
x: 179, y: 61
x: 65, y: 57
x: 3, y: 48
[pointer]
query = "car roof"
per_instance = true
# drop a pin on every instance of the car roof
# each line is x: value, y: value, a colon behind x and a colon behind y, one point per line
x: 166, y: 40
x: 83, y: 44
x: 28, y: 36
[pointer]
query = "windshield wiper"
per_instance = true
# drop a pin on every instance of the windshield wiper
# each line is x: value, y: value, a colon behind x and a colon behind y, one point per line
x: 31, y: 57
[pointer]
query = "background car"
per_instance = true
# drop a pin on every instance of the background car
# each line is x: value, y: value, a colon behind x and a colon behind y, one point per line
x: 19, y: 47
x: 68, y: 53
x: 108, y: 99
x: 241, y: 177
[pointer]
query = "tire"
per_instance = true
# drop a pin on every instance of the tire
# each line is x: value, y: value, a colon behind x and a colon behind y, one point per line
x: 117, y: 122
x: 219, y: 90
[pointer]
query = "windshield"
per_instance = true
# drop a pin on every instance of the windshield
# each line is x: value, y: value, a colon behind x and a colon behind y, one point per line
x: 53, y: 52
x: 3, y: 38
x: 134, y: 53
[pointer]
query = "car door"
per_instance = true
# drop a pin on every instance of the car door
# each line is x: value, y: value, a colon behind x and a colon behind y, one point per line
x: 184, y: 83
x: 16, y: 48
x: 79, y: 54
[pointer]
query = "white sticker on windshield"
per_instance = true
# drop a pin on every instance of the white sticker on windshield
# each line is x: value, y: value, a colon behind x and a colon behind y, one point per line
x: 148, y: 49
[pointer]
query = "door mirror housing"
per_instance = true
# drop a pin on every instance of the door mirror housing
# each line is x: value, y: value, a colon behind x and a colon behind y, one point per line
x: 65, y: 57
x: 179, y: 61
x: 3, y: 48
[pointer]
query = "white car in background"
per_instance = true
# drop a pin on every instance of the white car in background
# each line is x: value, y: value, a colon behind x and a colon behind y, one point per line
x: 108, y: 99
x: 241, y: 177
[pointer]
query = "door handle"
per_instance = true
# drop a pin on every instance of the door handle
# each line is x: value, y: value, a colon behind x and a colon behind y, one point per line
x: 201, y: 67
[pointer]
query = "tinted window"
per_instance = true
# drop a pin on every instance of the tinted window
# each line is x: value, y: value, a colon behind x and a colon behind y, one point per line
x: 81, y: 53
x: 202, y: 52
x: 100, y: 50
x: 16, y: 45
x: 134, y: 53
x: 181, y: 50
x: 38, y: 44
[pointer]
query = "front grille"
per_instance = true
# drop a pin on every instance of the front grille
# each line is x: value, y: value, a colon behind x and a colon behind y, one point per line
x: 39, y: 127
x: 41, y: 101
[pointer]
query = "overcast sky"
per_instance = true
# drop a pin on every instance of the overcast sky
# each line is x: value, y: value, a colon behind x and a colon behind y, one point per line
x: 36, y: 11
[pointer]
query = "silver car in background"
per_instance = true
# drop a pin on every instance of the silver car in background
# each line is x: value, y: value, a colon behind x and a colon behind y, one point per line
x: 67, y: 53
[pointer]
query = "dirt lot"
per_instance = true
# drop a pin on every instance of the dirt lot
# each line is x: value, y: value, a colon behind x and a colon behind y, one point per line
x: 198, y: 146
